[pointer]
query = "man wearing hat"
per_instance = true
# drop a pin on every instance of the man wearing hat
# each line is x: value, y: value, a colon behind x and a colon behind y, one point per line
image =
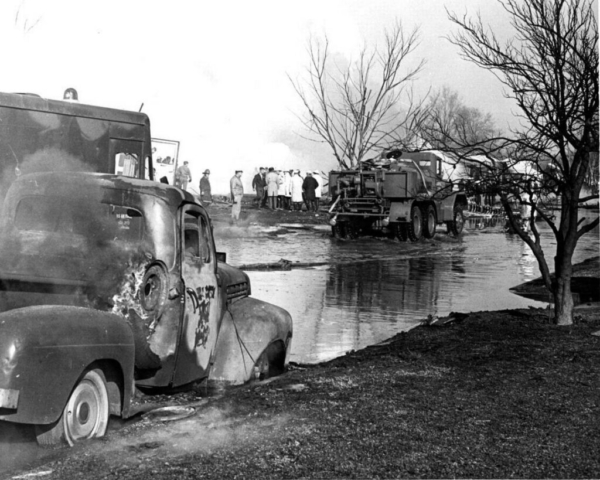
x: 205, y: 190
x: 309, y: 186
x: 258, y: 185
x: 237, y: 193
x: 183, y: 176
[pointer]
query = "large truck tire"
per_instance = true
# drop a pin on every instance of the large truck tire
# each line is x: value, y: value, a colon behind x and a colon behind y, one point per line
x: 429, y: 221
x: 399, y: 231
x: 414, y: 226
x: 455, y: 226
x: 338, y: 230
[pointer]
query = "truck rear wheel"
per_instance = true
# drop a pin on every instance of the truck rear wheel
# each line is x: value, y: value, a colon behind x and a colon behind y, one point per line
x: 85, y: 415
x: 415, y: 224
x: 429, y: 221
x: 455, y: 227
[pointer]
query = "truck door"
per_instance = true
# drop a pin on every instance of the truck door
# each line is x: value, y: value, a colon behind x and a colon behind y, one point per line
x: 201, y: 319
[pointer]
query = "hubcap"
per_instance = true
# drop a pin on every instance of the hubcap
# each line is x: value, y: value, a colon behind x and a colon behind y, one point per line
x: 83, y: 413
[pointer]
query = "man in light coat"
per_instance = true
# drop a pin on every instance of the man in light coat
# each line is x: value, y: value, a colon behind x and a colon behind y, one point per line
x: 297, y: 191
x: 237, y: 193
x: 183, y: 175
x: 272, y: 187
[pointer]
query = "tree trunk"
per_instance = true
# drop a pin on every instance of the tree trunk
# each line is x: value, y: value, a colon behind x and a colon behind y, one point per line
x: 563, y: 301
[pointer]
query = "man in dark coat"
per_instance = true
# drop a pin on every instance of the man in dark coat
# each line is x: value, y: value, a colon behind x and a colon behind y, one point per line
x: 258, y: 185
x: 205, y: 189
x: 309, y: 186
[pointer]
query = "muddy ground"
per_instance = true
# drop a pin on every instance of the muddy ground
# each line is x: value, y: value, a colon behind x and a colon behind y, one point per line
x: 500, y: 394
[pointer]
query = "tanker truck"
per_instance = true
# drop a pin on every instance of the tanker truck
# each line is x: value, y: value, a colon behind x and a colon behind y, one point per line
x: 405, y: 196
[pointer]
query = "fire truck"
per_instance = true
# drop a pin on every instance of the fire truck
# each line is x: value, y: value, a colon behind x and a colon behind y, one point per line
x: 405, y: 196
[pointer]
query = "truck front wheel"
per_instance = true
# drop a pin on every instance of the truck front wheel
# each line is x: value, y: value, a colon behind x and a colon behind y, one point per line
x: 271, y: 362
x: 85, y: 415
x: 338, y: 230
x: 429, y: 221
x: 455, y: 227
x: 415, y: 224
x: 399, y: 231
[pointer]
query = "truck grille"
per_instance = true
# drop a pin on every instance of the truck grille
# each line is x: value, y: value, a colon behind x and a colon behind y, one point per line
x: 238, y: 290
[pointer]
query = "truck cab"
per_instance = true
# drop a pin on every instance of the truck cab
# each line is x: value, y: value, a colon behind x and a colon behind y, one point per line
x: 107, y: 282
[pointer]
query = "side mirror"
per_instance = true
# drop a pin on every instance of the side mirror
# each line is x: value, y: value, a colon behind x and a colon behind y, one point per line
x: 221, y: 257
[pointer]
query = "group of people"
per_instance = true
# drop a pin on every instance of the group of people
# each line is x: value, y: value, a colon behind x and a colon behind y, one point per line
x: 287, y: 189
x: 275, y: 189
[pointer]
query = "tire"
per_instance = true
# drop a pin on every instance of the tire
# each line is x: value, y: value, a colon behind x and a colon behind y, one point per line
x: 415, y: 224
x: 351, y: 231
x: 85, y: 415
x: 271, y: 362
x: 338, y: 230
x: 455, y: 227
x: 399, y: 231
x: 429, y: 221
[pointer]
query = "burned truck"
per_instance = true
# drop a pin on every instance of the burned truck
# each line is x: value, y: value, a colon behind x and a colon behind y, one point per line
x: 109, y: 283
x: 403, y: 196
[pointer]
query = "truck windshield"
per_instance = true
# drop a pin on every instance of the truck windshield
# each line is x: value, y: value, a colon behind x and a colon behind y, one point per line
x: 86, y: 218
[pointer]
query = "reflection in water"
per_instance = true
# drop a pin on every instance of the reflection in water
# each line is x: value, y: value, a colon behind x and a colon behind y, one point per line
x: 375, y: 288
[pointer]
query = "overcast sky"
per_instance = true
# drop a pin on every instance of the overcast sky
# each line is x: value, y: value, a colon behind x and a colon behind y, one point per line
x: 213, y: 75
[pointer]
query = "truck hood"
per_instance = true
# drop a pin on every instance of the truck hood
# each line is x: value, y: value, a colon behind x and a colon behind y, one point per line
x: 235, y: 282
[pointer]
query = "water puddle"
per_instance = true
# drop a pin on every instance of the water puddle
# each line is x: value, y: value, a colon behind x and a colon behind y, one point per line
x: 359, y: 292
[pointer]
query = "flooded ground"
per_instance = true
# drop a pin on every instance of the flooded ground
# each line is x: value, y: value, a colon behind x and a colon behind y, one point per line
x: 363, y: 291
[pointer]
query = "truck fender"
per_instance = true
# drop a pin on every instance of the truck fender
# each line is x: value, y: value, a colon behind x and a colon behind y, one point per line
x: 249, y: 328
x: 447, y: 204
x: 45, y: 349
x: 400, y: 211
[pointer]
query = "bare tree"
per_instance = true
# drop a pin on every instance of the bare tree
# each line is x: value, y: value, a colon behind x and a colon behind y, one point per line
x: 365, y: 106
x: 550, y: 69
x: 449, y: 124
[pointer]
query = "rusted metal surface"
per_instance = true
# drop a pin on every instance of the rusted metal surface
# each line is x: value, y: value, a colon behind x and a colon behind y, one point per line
x: 132, y: 270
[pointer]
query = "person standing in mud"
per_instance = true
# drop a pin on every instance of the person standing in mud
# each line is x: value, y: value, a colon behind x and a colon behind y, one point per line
x: 280, y: 190
x: 309, y: 186
x: 288, y: 189
x: 205, y: 189
x: 318, y: 190
x: 258, y: 185
x: 272, y: 187
x: 296, y: 191
x: 237, y: 193
x: 183, y: 176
